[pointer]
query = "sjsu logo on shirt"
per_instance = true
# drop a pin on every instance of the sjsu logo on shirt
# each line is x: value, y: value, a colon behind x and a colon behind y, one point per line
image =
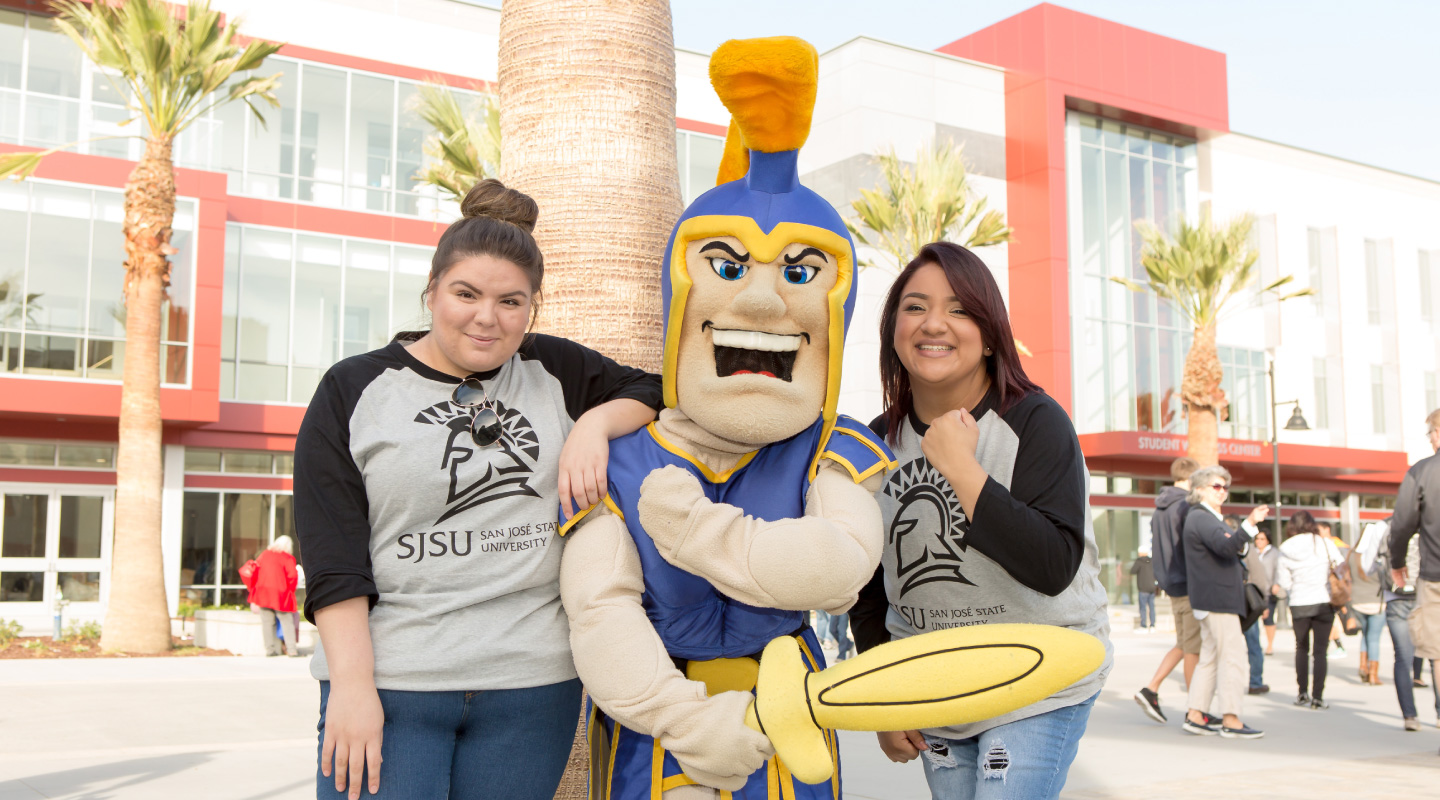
x: 481, y: 475
x: 928, y: 531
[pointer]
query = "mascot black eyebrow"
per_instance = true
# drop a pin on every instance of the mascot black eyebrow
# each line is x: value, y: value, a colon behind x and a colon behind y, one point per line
x: 750, y: 500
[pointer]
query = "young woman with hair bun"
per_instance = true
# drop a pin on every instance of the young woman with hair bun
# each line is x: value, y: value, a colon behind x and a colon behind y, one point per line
x: 428, y: 475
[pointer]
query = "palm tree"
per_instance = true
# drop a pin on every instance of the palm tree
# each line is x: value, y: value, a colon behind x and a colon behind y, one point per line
x: 464, y: 149
x: 587, y: 120
x: 174, y: 70
x: 1200, y: 270
x: 930, y: 203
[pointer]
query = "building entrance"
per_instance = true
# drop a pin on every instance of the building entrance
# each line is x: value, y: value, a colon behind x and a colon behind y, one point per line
x: 54, y: 546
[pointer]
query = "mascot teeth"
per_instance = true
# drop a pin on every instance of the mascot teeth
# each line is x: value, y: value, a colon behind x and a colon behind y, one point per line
x: 756, y: 340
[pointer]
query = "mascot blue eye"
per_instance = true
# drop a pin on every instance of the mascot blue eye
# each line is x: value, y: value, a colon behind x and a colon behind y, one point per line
x: 728, y: 269
x: 800, y: 273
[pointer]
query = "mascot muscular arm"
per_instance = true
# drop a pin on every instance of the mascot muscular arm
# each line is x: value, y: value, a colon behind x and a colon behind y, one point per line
x: 775, y: 564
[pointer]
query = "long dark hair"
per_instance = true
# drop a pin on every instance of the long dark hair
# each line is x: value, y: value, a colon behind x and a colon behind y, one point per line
x: 980, y: 296
x: 1301, y: 522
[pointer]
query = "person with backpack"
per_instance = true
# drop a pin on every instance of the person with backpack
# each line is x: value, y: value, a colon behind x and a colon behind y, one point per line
x: 1165, y: 527
x: 1143, y: 568
x: 1399, y: 602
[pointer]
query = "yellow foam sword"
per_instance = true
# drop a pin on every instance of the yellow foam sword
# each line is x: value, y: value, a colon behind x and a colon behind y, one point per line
x: 934, y: 680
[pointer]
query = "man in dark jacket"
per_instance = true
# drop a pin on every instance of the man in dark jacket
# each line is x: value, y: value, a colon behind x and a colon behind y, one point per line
x: 1215, y: 574
x: 1169, y: 565
x: 1417, y: 510
x: 1143, y: 568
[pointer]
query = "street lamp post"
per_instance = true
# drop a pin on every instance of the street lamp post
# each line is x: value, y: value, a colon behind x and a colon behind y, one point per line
x: 1296, y: 423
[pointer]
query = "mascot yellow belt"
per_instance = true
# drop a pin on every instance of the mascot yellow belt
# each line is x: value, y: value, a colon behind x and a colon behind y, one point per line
x: 750, y: 501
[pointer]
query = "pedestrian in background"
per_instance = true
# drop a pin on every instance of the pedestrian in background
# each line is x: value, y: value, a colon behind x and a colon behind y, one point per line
x: 1399, y: 602
x: 1270, y: 559
x: 1367, y: 598
x: 1416, y: 512
x: 1144, y: 571
x: 1259, y: 576
x: 1215, y: 576
x: 1306, y: 558
x: 1336, y: 643
x: 272, y: 596
x: 840, y: 632
x: 1169, y: 566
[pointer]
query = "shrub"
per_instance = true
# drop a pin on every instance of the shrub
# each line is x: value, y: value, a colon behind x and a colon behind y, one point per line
x: 36, y: 644
x: 9, y: 629
x: 82, y: 631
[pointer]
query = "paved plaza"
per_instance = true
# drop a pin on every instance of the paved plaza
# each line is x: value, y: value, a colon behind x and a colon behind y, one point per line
x: 243, y: 729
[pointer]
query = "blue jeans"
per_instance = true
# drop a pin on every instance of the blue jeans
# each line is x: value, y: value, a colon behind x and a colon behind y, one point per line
x: 822, y: 626
x: 1257, y: 655
x: 1028, y: 758
x: 1147, y: 609
x: 1370, y: 627
x: 1397, y: 619
x: 501, y: 743
x: 840, y: 632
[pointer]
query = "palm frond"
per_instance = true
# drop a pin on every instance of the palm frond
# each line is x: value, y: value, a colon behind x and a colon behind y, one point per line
x: 927, y: 202
x: 464, y: 147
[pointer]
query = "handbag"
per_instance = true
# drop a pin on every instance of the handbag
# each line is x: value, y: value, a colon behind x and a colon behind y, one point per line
x: 1338, y: 582
x: 1255, y: 605
x: 1349, y: 624
x: 247, y: 573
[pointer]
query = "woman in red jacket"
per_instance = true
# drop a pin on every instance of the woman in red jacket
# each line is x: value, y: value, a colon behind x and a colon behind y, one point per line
x: 272, y: 594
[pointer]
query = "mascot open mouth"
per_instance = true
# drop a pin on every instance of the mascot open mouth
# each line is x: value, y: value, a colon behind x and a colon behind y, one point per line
x: 745, y: 352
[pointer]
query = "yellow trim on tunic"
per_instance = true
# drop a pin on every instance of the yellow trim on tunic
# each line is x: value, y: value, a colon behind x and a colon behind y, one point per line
x: 765, y: 247
x: 570, y: 523
x: 887, y: 460
x: 713, y: 477
x: 657, y: 770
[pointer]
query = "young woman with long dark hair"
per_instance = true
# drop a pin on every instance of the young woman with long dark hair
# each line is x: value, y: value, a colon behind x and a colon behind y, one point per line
x: 987, y: 519
x: 428, y: 479
x: 1306, y: 559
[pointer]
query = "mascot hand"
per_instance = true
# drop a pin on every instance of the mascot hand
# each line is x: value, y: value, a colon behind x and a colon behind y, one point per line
x: 714, y: 746
x: 668, y: 497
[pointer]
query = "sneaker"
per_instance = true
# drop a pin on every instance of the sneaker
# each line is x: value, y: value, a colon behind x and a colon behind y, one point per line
x: 1318, y: 704
x: 1242, y: 732
x: 1150, y: 702
x: 1211, y: 720
x: 1199, y: 729
x: 1261, y: 689
x: 1302, y: 699
x: 1336, y: 650
x: 1412, y: 724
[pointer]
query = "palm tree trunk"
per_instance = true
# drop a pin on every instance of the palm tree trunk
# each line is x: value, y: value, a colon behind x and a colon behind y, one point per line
x: 587, y: 116
x: 1205, y: 401
x: 136, y: 619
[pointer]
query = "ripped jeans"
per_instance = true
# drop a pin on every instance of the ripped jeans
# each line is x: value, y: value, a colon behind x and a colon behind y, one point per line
x: 1028, y: 758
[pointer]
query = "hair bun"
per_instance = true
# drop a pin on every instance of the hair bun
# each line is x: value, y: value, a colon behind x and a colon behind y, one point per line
x: 491, y: 198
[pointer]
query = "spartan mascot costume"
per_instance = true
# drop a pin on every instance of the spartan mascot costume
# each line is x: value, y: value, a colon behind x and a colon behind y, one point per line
x: 749, y: 501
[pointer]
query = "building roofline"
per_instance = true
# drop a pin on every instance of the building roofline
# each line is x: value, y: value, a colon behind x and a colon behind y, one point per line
x: 1342, y: 159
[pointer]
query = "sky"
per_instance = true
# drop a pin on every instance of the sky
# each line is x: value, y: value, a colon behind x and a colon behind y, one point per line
x: 1358, y: 81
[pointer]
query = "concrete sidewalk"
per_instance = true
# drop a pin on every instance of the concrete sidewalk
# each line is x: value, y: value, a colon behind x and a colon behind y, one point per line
x: 244, y: 729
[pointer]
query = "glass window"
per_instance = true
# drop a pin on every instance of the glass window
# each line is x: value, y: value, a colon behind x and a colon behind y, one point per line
x: 24, y: 526
x: 230, y: 125
x: 1377, y: 397
x: 704, y: 163
x: 197, y: 460
x: 80, y: 587
x: 245, y: 533
x: 105, y: 359
x: 55, y: 63
x: 22, y: 587
x: 284, y: 463
x: 370, y: 173
x: 51, y: 355
x: 322, y: 135
x: 89, y: 456
x: 107, y: 266
x: 27, y: 454
x: 14, y: 226
x: 1322, y: 395
x: 1372, y: 280
x: 250, y: 462
x: 1316, y: 260
x: 264, y: 322
x: 176, y: 310
x: 366, y: 323
x: 1427, y: 288
x: 285, y: 521
x: 270, y: 167
x: 80, y: 524
x: 412, y: 274
x: 12, y: 45
x: 409, y: 151
x: 59, y: 258
x: 198, y: 538
x: 317, y: 301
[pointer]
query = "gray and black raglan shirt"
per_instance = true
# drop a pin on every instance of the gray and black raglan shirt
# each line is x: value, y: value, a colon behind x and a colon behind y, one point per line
x: 1028, y: 555
x: 455, y: 545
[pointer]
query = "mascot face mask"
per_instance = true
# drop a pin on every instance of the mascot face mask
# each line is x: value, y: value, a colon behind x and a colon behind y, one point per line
x: 759, y: 276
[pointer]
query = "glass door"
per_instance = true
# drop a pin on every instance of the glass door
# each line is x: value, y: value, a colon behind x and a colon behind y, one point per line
x: 54, y: 544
